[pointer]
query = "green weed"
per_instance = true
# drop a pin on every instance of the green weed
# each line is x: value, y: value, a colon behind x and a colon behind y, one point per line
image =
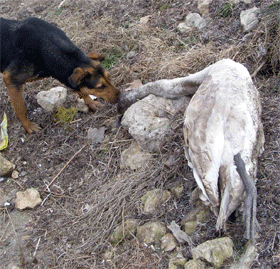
x: 111, y: 59
x: 225, y: 10
x: 65, y: 115
x: 58, y: 11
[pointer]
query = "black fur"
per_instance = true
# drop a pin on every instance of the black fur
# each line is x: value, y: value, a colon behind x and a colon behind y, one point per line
x: 35, y: 48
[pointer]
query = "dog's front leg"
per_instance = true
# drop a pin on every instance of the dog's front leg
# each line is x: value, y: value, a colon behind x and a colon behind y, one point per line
x: 14, y: 93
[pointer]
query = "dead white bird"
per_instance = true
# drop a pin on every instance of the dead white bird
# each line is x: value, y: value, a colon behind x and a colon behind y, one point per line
x: 223, y: 134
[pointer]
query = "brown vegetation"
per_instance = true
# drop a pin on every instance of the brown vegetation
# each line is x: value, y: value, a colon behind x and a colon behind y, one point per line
x: 90, y: 195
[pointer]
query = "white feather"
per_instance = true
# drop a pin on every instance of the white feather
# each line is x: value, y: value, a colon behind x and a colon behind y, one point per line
x: 222, y: 119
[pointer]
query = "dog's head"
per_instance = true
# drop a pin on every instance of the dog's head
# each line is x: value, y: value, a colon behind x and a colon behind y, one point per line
x: 92, y: 79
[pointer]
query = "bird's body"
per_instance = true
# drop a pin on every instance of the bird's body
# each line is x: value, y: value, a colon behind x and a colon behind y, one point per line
x: 222, y: 131
x: 222, y: 120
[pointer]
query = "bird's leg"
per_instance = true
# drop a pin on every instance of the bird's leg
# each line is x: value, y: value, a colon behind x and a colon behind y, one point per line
x: 250, y: 201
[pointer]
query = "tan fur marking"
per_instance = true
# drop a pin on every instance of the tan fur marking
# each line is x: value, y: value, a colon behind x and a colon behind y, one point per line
x: 96, y: 56
x: 18, y: 104
x: 79, y: 74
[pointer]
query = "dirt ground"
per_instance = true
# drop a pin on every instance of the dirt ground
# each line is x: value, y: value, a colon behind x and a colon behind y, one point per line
x: 91, y: 195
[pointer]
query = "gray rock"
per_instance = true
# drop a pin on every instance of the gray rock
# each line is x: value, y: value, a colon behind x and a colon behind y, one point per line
x: 194, y: 197
x: 148, y: 120
x: 153, y: 199
x: 190, y: 226
x: 6, y: 167
x: 151, y: 232
x: 15, y: 174
x: 192, y: 21
x: 168, y: 242
x: 196, y: 21
x: 214, y: 251
x: 124, y: 231
x: 134, y: 157
x: 96, y: 135
x: 52, y: 99
x: 198, y: 214
x: 29, y: 198
x: 249, y: 18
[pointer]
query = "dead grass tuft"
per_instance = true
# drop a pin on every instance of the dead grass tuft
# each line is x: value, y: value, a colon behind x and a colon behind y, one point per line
x: 270, y: 27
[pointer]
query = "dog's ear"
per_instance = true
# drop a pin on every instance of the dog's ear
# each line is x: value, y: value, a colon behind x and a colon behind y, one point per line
x: 77, y: 77
x: 96, y: 56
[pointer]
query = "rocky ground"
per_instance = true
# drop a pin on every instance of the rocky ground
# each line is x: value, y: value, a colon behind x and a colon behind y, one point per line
x: 92, y: 192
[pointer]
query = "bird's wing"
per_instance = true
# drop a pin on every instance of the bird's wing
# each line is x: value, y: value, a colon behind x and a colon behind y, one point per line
x: 204, y: 139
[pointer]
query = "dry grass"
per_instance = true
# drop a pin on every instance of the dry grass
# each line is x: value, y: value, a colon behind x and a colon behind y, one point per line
x: 91, y: 196
x: 270, y: 29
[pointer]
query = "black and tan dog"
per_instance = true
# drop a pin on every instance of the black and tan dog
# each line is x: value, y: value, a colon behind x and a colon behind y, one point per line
x: 33, y: 49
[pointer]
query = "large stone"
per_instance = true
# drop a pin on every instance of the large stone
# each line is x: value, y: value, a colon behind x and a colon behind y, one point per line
x: 124, y: 231
x: 6, y: 167
x: 134, y: 157
x: 29, y: 198
x: 198, y: 214
x: 151, y: 232
x: 249, y: 18
x: 196, y: 21
x: 149, y: 123
x: 168, y: 242
x: 153, y: 199
x: 192, y: 21
x: 214, y: 251
x: 52, y: 99
x: 149, y: 120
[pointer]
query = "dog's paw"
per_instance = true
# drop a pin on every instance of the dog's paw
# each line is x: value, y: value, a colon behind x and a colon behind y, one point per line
x: 94, y: 105
x: 32, y: 127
